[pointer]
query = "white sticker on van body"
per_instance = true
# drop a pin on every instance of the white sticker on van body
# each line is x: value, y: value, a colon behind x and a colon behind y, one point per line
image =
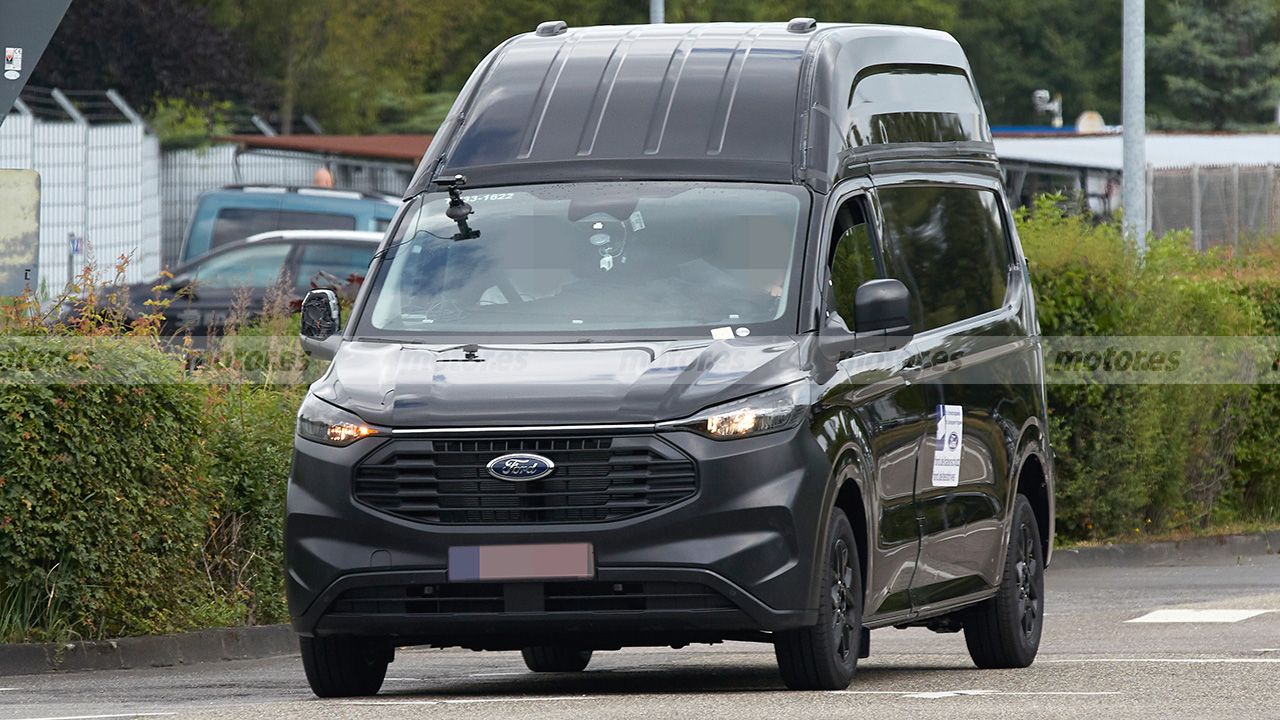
x: 949, y: 446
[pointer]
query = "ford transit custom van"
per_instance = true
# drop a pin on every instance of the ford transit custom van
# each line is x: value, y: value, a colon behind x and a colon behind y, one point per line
x: 683, y: 334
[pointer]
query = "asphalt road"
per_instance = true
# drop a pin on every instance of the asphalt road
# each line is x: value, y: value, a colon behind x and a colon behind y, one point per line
x: 1094, y: 663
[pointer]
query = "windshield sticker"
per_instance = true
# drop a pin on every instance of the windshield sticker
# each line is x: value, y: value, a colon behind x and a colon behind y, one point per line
x: 722, y: 333
x: 637, y: 221
x: 742, y: 332
x: 950, y: 445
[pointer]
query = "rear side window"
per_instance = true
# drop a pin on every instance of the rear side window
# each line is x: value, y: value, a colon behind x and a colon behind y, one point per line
x: 239, y: 223
x: 323, y: 263
x: 949, y: 247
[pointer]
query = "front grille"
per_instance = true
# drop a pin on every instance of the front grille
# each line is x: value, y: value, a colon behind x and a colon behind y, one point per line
x: 596, y: 479
x: 555, y: 597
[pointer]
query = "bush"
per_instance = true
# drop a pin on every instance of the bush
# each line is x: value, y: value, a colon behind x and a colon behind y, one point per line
x: 105, y: 495
x: 142, y: 491
x: 1153, y: 457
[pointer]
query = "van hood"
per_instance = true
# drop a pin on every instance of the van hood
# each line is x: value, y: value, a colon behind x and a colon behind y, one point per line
x: 422, y: 386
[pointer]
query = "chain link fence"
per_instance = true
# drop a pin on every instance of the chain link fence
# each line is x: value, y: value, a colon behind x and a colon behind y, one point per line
x: 1220, y: 205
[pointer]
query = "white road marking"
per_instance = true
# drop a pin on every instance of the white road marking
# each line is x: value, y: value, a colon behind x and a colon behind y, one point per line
x: 101, y: 717
x: 940, y: 694
x: 469, y: 701
x: 948, y: 694
x: 497, y: 674
x: 1197, y: 616
x: 1175, y: 660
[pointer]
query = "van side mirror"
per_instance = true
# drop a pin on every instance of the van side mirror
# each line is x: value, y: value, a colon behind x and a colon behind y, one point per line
x: 883, y: 305
x: 881, y: 321
x: 321, y: 319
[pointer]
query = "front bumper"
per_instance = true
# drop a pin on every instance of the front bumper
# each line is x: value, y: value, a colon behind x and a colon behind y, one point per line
x: 735, y: 557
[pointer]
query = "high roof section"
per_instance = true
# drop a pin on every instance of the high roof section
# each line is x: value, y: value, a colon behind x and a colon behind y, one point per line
x: 712, y: 101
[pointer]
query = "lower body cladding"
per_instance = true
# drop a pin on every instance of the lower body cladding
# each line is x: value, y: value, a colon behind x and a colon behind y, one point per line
x: 646, y: 539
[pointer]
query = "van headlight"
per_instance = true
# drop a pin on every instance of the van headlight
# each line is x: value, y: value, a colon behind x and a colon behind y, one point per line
x: 328, y: 424
x: 768, y: 411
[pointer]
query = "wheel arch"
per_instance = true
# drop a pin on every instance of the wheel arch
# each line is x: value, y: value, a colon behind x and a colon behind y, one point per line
x: 1033, y: 482
x: 851, y: 499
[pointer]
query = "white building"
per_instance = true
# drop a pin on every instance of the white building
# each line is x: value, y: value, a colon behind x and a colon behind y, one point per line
x: 1222, y: 187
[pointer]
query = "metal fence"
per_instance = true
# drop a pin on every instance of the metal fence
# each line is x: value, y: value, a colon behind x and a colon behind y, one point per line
x: 99, y: 171
x: 1220, y: 205
x: 108, y: 191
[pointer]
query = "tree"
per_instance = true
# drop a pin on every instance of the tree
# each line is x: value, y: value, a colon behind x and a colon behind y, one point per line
x: 1072, y: 47
x: 144, y: 49
x: 1220, y: 60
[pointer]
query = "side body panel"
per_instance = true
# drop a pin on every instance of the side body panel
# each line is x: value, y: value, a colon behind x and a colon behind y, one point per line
x: 884, y: 420
x: 988, y: 366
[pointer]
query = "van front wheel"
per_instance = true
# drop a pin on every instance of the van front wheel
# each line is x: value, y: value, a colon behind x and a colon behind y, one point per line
x: 824, y: 656
x: 345, y: 666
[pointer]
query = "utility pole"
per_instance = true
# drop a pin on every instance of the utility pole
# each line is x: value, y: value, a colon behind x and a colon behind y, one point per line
x: 1135, y: 123
x: 657, y: 11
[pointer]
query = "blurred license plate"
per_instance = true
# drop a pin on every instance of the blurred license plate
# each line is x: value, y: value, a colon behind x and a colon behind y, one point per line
x: 522, y: 562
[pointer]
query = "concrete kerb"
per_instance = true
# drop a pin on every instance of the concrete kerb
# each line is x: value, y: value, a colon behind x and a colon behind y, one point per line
x: 1212, y: 550
x: 156, y: 651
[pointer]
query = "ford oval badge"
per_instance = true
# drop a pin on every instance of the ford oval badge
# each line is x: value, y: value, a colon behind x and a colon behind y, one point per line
x: 521, y: 467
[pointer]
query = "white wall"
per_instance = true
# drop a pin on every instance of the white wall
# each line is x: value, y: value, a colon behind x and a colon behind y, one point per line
x: 98, y: 182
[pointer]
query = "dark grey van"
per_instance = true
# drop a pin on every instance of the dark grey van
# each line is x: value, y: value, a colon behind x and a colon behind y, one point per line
x: 684, y: 333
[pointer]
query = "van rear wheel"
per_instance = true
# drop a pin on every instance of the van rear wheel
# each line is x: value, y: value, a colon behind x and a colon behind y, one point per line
x: 1004, y: 632
x: 345, y: 666
x: 544, y: 658
x: 825, y: 656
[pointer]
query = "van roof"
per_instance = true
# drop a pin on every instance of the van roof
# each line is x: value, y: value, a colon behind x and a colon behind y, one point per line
x: 698, y: 101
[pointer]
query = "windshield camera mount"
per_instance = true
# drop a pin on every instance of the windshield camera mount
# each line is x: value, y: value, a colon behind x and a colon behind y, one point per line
x: 458, y: 209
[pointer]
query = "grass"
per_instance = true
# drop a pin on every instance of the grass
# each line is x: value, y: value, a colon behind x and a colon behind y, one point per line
x: 1141, y: 538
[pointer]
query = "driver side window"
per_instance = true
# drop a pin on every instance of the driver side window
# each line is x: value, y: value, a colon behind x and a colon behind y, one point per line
x: 853, y: 257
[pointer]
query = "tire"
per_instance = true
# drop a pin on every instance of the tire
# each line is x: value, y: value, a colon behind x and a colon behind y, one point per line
x: 825, y: 656
x: 543, y: 658
x: 345, y: 666
x: 1004, y: 631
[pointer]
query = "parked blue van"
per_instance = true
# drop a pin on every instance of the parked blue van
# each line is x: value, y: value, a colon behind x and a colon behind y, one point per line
x: 238, y: 211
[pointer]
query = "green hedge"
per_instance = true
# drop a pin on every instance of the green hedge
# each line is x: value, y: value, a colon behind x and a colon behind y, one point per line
x: 1136, y: 459
x: 105, y: 493
x: 136, y: 497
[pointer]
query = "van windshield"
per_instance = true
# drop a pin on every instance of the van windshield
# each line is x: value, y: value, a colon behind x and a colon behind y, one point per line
x: 595, y: 258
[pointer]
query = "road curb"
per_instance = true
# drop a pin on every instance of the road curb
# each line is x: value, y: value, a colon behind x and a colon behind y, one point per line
x: 155, y: 651
x: 1218, y: 549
